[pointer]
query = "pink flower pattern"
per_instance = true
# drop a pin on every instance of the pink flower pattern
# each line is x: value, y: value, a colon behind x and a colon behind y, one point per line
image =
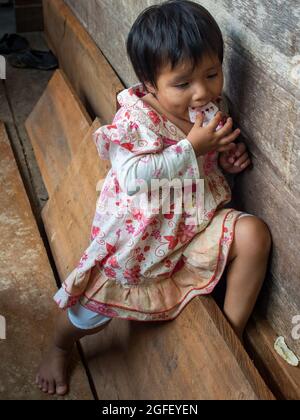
x: 136, y: 246
x: 132, y: 274
x: 186, y: 232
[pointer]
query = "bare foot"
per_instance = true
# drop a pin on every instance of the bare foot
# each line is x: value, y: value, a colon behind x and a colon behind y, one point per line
x: 52, y: 375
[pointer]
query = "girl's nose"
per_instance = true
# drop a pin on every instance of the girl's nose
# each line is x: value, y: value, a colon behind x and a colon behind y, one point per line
x: 201, y: 94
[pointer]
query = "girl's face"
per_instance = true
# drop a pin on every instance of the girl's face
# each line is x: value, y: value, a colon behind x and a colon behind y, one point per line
x: 181, y: 88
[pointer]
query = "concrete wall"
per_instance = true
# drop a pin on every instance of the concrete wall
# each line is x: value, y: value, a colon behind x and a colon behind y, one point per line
x: 262, y: 71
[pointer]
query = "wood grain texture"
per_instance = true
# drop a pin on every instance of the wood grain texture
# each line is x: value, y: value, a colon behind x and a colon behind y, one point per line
x: 280, y: 300
x: 68, y: 214
x: 196, y: 356
x: 253, y: 26
x: 27, y: 285
x: 261, y: 81
x: 92, y: 77
x: 282, y: 378
x: 56, y: 127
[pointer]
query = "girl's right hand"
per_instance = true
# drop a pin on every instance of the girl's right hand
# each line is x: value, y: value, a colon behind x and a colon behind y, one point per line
x: 207, y: 139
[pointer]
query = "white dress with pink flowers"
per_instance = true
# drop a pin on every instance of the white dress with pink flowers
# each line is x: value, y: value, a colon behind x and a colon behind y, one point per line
x: 147, y: 265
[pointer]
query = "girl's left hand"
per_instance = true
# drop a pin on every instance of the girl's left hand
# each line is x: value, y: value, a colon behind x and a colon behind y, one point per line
x: 236, y: 160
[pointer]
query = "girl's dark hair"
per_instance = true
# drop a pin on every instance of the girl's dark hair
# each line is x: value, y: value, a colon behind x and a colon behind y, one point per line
x: 172, y: 32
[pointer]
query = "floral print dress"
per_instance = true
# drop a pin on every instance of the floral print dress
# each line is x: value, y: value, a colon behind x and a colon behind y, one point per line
x: 147, y: 265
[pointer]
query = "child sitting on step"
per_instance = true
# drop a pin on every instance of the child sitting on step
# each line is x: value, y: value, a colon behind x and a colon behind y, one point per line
x: 147, y: 265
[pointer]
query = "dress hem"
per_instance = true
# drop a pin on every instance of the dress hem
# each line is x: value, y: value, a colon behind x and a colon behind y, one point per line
x: 113, y: 310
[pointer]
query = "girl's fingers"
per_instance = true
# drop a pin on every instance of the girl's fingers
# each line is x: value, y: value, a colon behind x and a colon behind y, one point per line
x: 242, y: 160
x: 199, y: 120
x: 227, y: 129
x: 229, y: 149
x: 245, y: 164
x: 228, y: 139
x: 241, y: 148
x: 214, y: 122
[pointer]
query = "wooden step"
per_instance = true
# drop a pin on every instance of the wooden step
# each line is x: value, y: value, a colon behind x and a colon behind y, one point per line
x: 283, y: 379
x: 91, y: 75
x: 27, y: 285
x: 69, y: 212
x: 56, y: 128
x: 197, y: 356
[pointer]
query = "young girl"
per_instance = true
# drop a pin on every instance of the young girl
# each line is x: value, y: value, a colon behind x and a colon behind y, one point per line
x: 147, y: 266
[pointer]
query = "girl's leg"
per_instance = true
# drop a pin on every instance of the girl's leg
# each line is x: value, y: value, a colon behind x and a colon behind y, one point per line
x: 52, y: 376
x: 247, y: 264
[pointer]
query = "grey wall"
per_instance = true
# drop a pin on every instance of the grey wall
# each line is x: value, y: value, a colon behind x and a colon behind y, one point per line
x: 262, y: 71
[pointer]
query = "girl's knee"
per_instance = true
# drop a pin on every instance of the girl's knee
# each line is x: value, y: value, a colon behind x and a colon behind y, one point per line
x: 254, y: 235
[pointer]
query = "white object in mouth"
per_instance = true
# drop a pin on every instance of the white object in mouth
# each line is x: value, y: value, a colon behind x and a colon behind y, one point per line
x: 209, y: 111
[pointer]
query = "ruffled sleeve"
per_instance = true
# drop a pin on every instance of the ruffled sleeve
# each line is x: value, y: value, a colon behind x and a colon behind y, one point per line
x: 127, y: 134
x: 137, y: 154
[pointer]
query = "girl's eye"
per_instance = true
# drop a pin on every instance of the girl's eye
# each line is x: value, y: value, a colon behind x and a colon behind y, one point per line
x: 212, y: 76
x: 183, y: 85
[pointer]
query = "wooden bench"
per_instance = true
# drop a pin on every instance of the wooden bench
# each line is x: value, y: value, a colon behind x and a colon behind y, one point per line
x: 204, y: 359
x: 69, y: 212
x: 283, y: 379
x: 27, y: 285
x: 65, y: 34
x: 90, y: 74
x: 54, y: 145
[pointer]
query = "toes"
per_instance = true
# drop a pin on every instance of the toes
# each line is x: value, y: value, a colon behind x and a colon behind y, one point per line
x: 40, y: 383
x: 45, y: 386
x: 37, y: 379
x: 51, y: 387
x: 61, y: 388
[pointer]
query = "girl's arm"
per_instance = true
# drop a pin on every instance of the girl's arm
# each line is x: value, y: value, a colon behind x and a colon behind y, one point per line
x: 137, y: 152
x: 176, y: 162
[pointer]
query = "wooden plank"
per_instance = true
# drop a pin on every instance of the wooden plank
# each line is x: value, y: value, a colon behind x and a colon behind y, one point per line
x: 56, y: 127
x: 188, y: 358
x: 280, y: 297
x: 282, y: 378
x: 257, y: 19
x: 271, y: 189
x: 89, y: 72
x: 68, y: 214
x: 27, y: 285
